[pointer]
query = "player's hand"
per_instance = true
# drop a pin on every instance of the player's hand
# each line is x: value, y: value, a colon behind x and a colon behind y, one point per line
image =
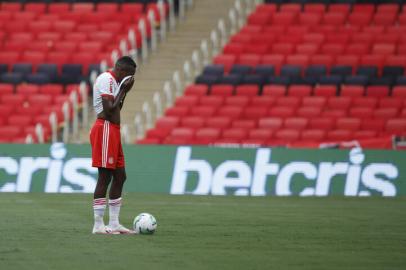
x: 128, y: 84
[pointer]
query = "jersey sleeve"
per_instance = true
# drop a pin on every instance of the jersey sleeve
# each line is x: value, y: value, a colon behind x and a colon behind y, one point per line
x: 105, y: 86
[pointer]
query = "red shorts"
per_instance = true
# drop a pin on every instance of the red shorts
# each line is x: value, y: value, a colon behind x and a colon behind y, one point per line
x: 107, y: 151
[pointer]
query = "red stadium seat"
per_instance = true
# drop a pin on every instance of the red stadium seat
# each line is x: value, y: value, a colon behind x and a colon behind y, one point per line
x: 177, y: 111
x: 59, y: 7
x: 314, y: 101
x: 254, y: 112
x: 76, y: 37
x: 65, y: 46
x: 266, y: 101
x: 232, y: 112
x: 218, y: 122
x: 39, y: 99
x: 249, y: 59
x: 386, y: 113
x: 7, y: 133
x: 234, y: 49
x: 339, y: 103
x: 222, y: 90
x: 389, y: 102
x: 6, y: 109
x: 315, y: 135
x: 246, y: 124
x: 310, y: 19
x: 308, y: 112
x: 247, y: 90
x: 352, y: 91
x: 361, y: 112
x: 270, y: 123
x: 20, y: 120
x: 225, y: 59
x: 14, y: 7
x: 193, y: 122
x: 27, y: 89
x: 240, y: 101
x: 283, y: 48
x: 83, y: 7
x: 203, y: 111
x: 339, y: 135
x: 322, y: 59
x: 399, y: 91
x: 281, y: 111
x: 207, y: 135
x: 308, y: 49
x: 274, y: 90
x: 287, y: 135
x: 148, y: 141
x: 369, y: 102
x: 260, y: 134
x: 324, y: 123
x: 38, y: 8
x: 396, y: 126
x: 325, y: 90
x: 334, y: 18
x: 196, y: 90
x: 107, y: 7
x: 167, y: 122
x: 132, y: 8
x: 235, y: 134
x: 373, y: 124
x: 297, y: 123
x: 334, y: 113
x: 377, y: 91
x: 259, y: 18
x: 180, y: 136
x: 187, y: 101
x: 276, y: 60
x: 299, y: 90
x: 288, y: 101
x: 6, y: 88
x: 352, y: 124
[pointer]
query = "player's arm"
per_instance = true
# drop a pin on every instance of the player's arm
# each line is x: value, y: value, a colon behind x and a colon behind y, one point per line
x: 122, y: 101
x: 110, y: 104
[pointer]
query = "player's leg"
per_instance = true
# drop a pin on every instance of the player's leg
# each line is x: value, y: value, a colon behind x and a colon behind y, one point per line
x: 98, y: 136
x: 100, y: 201
x: 119, y: 177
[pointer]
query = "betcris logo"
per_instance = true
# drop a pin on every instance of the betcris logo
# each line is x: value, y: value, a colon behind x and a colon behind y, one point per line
x: 237, y: 177
x: 62, y: 175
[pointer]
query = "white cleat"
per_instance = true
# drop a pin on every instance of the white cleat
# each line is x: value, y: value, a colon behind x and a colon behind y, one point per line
x: 103, y: 230
x: 120, y: 229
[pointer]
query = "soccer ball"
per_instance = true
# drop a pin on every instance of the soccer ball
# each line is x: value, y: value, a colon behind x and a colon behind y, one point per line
x: 144, y: 223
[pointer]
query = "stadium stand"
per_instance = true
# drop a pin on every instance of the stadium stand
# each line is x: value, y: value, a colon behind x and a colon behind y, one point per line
x: 298, y: 74
x: 47, y: 49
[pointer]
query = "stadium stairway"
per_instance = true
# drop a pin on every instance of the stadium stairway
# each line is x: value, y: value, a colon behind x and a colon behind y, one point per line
x: 170, y: 56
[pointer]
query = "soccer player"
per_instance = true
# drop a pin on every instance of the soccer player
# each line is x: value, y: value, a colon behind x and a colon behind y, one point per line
x: 109, y: 92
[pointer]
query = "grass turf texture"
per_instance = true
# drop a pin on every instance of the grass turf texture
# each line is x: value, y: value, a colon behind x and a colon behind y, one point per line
x: 39, y: 231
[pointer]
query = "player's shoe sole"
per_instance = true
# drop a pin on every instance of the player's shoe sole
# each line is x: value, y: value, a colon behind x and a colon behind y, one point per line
x: 122, y: 230
x: 103, y: 230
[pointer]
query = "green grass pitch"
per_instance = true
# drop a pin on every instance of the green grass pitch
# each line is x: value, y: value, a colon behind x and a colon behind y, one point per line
x: 40, y: 231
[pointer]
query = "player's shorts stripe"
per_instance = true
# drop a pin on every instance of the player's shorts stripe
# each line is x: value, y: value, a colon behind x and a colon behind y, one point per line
x: 104, y: 137
x: 104, y: 145
x: 107, y: 142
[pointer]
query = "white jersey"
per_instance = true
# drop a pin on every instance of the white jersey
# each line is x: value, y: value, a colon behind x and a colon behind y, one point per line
x: 105, y: 85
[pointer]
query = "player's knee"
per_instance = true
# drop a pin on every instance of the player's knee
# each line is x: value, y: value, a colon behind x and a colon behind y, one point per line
x: 120, y: 179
